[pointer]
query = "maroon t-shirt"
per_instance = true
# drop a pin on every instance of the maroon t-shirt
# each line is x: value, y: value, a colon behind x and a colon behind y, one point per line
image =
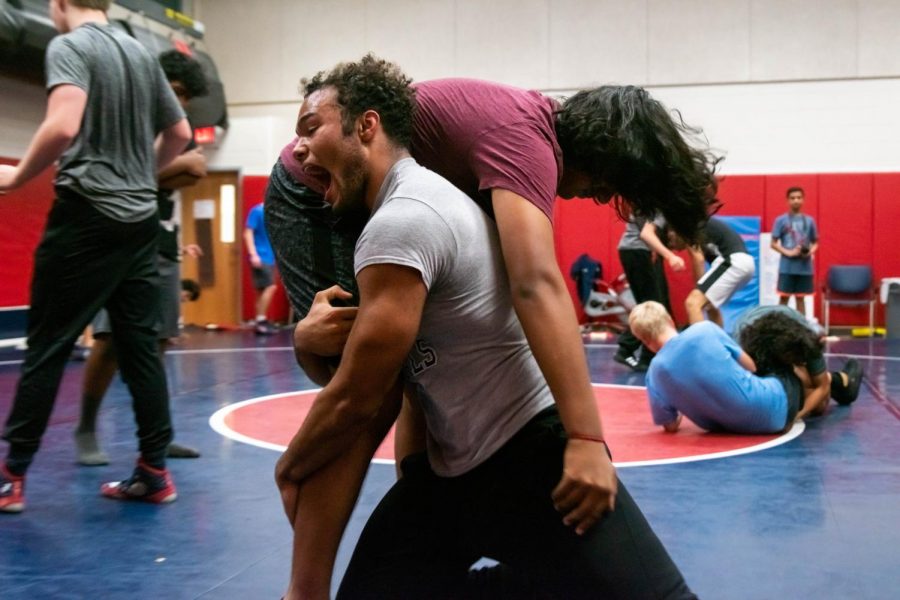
x: 293, y: 167
x: 480, y: 135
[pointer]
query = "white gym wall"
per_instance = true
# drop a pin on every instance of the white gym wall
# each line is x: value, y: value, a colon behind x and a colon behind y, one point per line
x: 778, y: 85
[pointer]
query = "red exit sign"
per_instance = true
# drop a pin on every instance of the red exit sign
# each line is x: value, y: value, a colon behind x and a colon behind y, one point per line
x: 205, y: 135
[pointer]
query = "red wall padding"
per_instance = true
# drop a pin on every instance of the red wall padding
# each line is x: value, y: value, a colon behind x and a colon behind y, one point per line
x: 254, y: 190
x: 23, y: 213
x: 845, y: 231
x: 744, y: 195
x: 858, y: 216
x: 581, y: 227
x: 885, y: 229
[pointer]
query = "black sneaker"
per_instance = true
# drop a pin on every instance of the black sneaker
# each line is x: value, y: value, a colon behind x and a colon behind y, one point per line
x: 642, y: 365
x: 850, y: 393
x: 636, y: 365
x: 622, y: 357
x: 263, y: 328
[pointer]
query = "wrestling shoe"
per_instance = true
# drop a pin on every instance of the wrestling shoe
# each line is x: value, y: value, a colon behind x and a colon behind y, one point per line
x: 622, y: 357
x: 634, y: 364
x: 849, y: 393
x: 146, y: 484
x: 263, y: 328
x: 12, y: 491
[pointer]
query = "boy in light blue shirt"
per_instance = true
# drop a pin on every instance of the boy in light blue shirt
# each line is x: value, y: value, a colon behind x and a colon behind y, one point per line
x: 703, y: 373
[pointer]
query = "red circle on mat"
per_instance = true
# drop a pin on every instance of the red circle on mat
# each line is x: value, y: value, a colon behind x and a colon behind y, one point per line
x: 272, y: 421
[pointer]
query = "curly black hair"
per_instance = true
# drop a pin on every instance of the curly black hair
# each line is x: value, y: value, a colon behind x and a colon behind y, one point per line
x: 370, y: 84
x: 777, y: 342
x: 639, y: 154
x: 180, y: 67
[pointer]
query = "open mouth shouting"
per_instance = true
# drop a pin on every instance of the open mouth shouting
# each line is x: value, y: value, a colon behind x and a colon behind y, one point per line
x: 323, y: 178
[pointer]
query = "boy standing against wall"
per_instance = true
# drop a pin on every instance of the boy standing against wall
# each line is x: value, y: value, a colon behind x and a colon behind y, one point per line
x: 107, y: 101
x: 262, y: 266
x: 795, y: 237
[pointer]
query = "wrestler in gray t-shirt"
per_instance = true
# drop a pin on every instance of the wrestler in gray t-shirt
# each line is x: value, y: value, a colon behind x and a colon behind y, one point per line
x: 103, y: 164
x: 477, y: 380
x: 631, y: 237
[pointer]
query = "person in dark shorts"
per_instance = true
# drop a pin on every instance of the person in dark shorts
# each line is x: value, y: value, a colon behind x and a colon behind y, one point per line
x: 99, y: 248
x: 262, y: 267
x: 796, y: 239
x: 730, y: 268
x: 434, y: 302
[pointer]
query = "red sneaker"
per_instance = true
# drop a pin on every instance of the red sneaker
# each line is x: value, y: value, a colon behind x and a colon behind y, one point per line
x: 12, y: 491
x: 146, y: 484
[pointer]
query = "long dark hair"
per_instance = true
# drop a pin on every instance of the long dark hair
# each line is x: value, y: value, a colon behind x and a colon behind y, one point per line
x: 777, y: 342
x: 638, y: 152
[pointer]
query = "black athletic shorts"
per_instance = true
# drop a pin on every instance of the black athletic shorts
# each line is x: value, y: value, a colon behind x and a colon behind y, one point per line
x: 789, y: 285
x: 263, y: 276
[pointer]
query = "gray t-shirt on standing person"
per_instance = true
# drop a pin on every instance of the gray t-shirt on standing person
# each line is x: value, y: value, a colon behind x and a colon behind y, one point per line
x: 477, y: 380
x: 631, y: 237
x: 112, y: 162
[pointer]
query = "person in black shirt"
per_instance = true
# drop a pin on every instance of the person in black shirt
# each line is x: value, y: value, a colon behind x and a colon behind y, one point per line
x: 730, y: 269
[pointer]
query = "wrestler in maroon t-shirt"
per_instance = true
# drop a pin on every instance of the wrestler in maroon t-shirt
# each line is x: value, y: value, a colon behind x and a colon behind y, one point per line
x: 479, y: 136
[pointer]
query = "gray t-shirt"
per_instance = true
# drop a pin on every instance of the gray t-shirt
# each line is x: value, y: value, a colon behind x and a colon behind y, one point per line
x: 477, y: 380
x: 631, y: 237
x: 112, y: 161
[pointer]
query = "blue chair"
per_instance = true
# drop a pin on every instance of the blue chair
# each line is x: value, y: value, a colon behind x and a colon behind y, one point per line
x: 849, y: 285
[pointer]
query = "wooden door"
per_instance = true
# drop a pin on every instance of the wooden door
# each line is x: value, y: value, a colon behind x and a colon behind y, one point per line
x: 209, y: 218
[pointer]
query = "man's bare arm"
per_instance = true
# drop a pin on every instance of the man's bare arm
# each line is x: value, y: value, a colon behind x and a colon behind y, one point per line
x: 392, y: 299
x: 409, y: 437
x: 648, y: 235
x: 542, y: 303
x: 320, y: 337
x: 171, y: 142
x: 747, y: 362
x: 184, y: 171
x: 61, y: 124
x: 320, y: 473
x: 816, y: 392
x: 322, y: 506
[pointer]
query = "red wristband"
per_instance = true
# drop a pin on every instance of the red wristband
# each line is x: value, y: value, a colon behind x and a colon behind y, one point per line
x: 587, y: 438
